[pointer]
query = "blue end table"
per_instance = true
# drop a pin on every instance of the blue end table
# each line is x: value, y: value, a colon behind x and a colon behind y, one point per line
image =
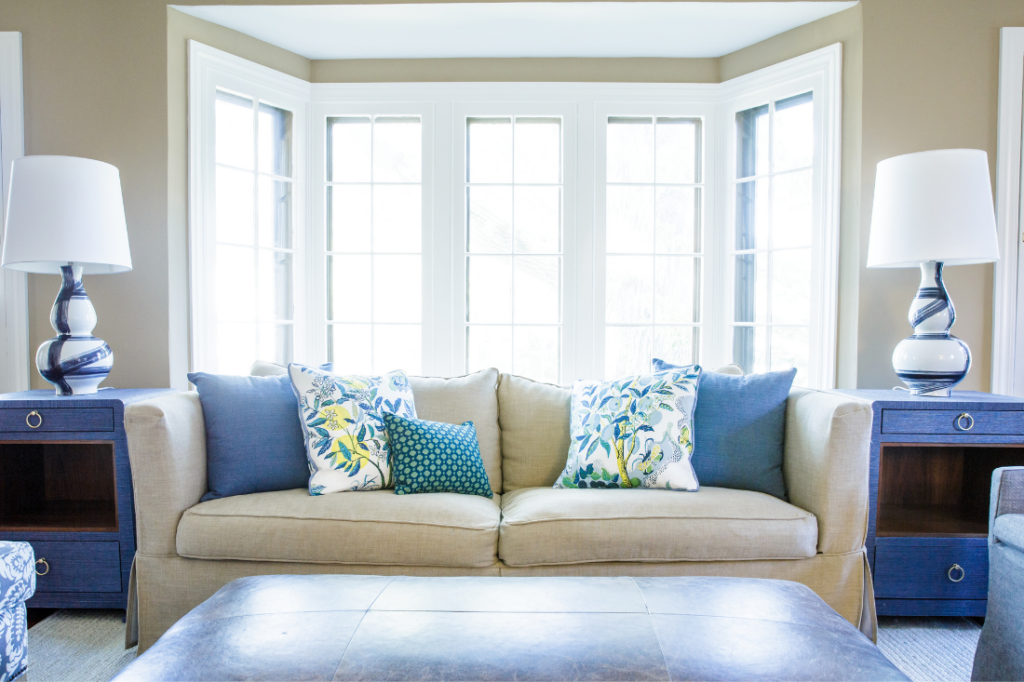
x: 66, y: 488
x: 931, y: 471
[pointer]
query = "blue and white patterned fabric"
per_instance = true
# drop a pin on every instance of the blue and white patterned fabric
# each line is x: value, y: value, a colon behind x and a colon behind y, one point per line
x: 17, y: 583
x: 343, y: 426
x: 633, y: 432
x: 74, y: 361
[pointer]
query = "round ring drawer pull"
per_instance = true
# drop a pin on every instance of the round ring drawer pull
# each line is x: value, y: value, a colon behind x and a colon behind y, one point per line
x: 954, y: 569
x: 965, y: 422
x: 38, y: 417
x: 46, y: 566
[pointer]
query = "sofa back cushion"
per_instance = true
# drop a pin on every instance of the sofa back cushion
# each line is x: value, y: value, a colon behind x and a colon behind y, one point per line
x: 534, y: 419
x: 471, y: 398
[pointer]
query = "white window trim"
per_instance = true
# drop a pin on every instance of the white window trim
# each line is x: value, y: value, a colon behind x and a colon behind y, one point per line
x: 210, y: 69
x: 820, y: 71
x: 1007, y: 375
x: 443, y: 219
x: 14, y: 349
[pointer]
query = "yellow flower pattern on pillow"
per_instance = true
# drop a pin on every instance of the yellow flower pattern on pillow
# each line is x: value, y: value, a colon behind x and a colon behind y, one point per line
x: 343, y: 424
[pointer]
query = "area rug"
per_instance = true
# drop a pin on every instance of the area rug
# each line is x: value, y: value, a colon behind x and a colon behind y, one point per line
x: 88, y: 646
x: 930, y: 649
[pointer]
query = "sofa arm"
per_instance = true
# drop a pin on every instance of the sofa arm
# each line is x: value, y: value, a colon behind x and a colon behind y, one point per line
x: 167, y: 449
x: 826, y: 463
x: 1007, y: 494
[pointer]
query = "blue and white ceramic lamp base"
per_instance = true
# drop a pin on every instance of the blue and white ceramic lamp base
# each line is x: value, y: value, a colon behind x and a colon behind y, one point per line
x: 74, y: 361
x: 931, y: 361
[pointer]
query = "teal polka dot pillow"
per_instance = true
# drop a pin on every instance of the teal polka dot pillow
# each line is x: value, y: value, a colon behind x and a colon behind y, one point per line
x: 433, y: 457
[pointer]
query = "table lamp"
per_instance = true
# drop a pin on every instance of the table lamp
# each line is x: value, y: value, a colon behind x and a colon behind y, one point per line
x: 932, y: 209
x: 65, y: 216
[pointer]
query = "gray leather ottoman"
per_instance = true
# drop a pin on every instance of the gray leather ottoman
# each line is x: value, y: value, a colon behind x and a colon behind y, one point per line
x: 348, y: 627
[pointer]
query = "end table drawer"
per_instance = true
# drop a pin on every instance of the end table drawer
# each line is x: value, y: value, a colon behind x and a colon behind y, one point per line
x: 29, y: 419
x: 954, y: 422
x: 78, y: 566
x: 930, y: 572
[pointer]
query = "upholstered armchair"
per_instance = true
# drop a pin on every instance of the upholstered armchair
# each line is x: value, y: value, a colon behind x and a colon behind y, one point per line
x: 1000, y: 654
x: 17, y: 583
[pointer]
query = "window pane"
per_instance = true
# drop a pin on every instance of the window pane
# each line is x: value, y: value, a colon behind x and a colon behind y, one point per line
x: 792, y: 201
x: 235, y: 280
x: 489, y: 289
x: 348, y: 149
x: 490, y: 219
x: 752, y: 142
x: 489, y: 149
x: 630, y: 149
x: 397, y: 346
x: 350, y: 348
x: 397, y: 218
x: 397, y: 289
x: 275, y: 213
x: 629, y: 289
x: 627, y: 351
x: 537, y: 294
x: 538, y: 218
x: 348, y: 289
x: 274, y: 127
x: 676, y: 289
x: 536, y: 353
x: 234, y: 198
x: 791, y: 348
x: 236, y: 347
x: 794, y: 132
x: 751, y: 288
x: 752, y: 215
x: 397, y: 149
x: 349, y: 210
x: 274, y: 280
x: 489, y: 347
x: 791, y: 284
x: 750, y: 349
x: 677, y: 227
x: 538, y: 150
x: 275, y: 343
x: 630, y: 224
x: 677, y: 159
x: 677, y: 345
x: 233, y: 130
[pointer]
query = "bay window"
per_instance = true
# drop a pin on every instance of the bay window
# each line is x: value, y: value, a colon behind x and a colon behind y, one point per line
x: 558, y: 231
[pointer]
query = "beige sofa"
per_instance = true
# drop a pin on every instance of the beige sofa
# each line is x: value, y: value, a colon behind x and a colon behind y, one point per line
x: 188, y: 549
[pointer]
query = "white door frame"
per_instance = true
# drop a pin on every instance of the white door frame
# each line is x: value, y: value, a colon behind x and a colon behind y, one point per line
x: 14, y: 354
x: 1007, y: 342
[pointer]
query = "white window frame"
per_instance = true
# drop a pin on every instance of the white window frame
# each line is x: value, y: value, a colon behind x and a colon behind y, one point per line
x: 211, y: 70
x: 14, y: 349
x: 819, y: 71
x: 585, y: 108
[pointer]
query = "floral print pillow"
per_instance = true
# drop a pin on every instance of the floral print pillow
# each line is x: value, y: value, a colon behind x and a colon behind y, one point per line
x: 633, y: 432
x: 343, y: 425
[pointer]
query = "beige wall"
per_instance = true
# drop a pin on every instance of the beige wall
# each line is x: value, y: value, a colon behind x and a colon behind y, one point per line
x: 107, y: 79
x: 931, y: 72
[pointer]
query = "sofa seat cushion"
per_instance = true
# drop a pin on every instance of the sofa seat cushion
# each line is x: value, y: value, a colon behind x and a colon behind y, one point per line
x: 545, y: 526
x: 1009, y: 529
x: 374, y: 527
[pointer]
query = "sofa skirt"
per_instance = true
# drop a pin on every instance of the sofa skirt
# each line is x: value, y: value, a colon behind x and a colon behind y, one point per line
x: 164, y: 589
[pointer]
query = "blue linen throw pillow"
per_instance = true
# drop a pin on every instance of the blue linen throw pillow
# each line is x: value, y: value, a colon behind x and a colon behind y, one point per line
x: 253, y: 436
x: 740, y: 423
x: 435, y: 457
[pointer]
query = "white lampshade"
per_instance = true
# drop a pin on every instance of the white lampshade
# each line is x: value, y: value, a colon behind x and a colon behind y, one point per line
x: 933, y: 206
x: 63, y: 209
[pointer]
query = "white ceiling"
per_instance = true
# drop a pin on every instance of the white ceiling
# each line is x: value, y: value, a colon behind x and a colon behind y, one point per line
x: 517, y: 29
